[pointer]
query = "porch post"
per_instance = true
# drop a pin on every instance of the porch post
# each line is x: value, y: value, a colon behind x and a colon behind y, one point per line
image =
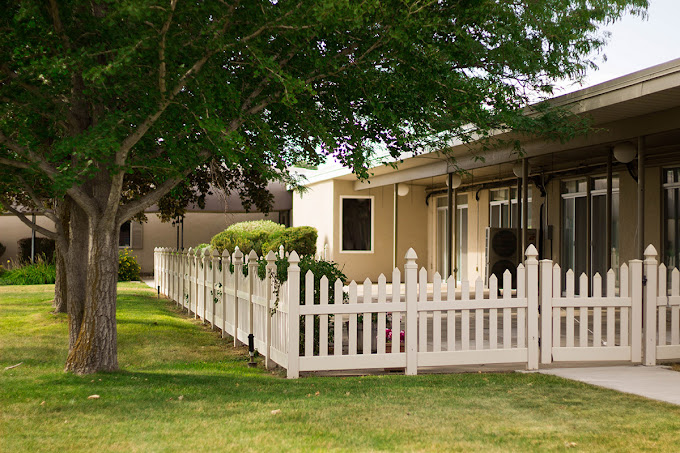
x: 608, y: 221
x: 395, y: 211
x: 641, y: 198
x: 649, y: 303
x: 449, y: 226
x: 525, y: 204
x: 589, y: 235
x: 520, y: 239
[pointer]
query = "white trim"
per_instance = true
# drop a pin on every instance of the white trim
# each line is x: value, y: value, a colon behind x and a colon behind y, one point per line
x: 354, y: 197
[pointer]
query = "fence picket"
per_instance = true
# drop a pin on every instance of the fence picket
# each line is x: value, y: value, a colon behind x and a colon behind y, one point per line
x: 396, y: 316
x: 422, y: 315
x: 309, y: 319
x: 661, y: 310
x: 451, y: 314
x: 368, y: 318
x: 675, y: 311
x: 507, y: 312
x: 521, y: 312
x: 624, y: 314
x: 323, y: 319
x: 437, y: 314
x: 352, y: 333
x: 493, y: 313
x: 338, y: 319
x: 597, y: 311
x: 611, y: 311
x: 465, y: 317
x: 382, y: 325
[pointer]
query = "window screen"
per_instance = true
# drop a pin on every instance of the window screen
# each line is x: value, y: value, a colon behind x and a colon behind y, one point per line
x: 356, y: 224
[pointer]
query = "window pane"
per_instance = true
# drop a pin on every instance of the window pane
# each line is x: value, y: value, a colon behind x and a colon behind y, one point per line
x: 356, y: 224
x: 499, y: 195
x: 124, y: 238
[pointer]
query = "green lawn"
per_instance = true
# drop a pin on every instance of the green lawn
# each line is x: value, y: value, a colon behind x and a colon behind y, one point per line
x: 182, y: 388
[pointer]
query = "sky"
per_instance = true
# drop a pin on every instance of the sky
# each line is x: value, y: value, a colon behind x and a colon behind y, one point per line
x: 636, y: 43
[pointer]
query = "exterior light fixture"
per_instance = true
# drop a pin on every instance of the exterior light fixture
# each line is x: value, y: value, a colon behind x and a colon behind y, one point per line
x: 402, y: 190
x: 625, y: 152
x: 517, y: 168
x: 456, y: 181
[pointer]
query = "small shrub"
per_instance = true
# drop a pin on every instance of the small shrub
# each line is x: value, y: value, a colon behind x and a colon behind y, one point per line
x: 2, y: 249
x: 301, y: 239
x: 202, y: 247
x: 246, y: 235
x: 38, y: 273
x: 43, y: 247
x: 128, y: 268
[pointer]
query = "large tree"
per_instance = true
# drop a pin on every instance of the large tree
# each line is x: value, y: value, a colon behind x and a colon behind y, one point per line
x: 107, y: 106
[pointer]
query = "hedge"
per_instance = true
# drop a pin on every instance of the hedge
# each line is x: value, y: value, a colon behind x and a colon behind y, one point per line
x: 301, y: 239
x: 246, y: 235
x: 43, y: 247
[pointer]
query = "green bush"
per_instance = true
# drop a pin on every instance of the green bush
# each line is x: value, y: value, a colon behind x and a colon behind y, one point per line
x: 41, y: 272
x: 301, y: 239
x: 43, y: 247
x: 128, y: 268
x: 202, y: 247
x: 319, y: 268
x: 246, y: 236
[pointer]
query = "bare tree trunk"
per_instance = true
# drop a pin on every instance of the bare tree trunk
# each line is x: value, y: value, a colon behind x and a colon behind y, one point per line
x: 76, y: 271
x: 95, y: 348
x: 60, y: 285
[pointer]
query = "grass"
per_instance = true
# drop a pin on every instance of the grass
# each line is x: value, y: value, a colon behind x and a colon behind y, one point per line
x: 226, y: 406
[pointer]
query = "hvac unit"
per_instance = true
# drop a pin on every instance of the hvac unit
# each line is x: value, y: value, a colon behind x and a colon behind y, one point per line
x: 502, y: 253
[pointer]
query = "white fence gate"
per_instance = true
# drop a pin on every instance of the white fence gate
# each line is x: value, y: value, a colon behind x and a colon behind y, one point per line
x: 332, y: 327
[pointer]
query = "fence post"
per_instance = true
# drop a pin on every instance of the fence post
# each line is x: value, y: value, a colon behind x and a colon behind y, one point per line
x: 180, y: 279
x: 238, y: 270
x: 650, y: 299
x: 411, y: 284
x: 545, y: 287
x: 214, y: 262
x: 252, y: 275
x: 155, y: 267
x: 226, y: 263
x: 293, y: 316
x: 531, y: 264
x: 271, y: 274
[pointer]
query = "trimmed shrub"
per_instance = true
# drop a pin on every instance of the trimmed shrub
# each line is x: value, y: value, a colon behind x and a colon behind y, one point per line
x: 202, y: 247
x: 301, y: 239
x: 43, y: 247
x: 2, y: 249
x: 128, y: 268
x: 39, y: 273
x: 246, y: 236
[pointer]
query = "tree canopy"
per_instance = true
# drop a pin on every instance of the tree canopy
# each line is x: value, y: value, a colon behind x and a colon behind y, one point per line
x: 110, y: 105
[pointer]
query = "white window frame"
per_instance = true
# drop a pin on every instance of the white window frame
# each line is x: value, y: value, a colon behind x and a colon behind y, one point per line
x: 362, y: 197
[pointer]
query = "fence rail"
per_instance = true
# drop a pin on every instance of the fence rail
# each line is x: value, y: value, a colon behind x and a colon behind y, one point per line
x: 336, y: 328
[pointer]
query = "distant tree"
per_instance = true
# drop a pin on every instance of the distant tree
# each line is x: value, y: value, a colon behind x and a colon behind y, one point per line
x: 108, y: 106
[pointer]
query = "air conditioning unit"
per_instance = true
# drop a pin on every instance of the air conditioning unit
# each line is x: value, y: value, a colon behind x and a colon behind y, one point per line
x: 502, y: 253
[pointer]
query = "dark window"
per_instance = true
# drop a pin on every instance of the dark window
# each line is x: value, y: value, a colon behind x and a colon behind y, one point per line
x: 356, y: 224
x: 125, y: 236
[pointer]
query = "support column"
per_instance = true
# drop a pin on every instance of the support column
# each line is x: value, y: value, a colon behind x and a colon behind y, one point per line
x: 449, y: 226
x: 608, y: 218
x: 589, y: 234
x: 525, y: 206
x: 454, y: 235
x: 520, y: 240
x: 641, y: 198
x: 395, y: 210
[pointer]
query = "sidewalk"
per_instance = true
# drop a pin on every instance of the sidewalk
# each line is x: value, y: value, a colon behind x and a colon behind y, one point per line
x: 656, y: 382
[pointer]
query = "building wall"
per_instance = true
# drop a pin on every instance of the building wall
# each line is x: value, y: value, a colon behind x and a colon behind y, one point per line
x: 12, y: 230
x: 314, y: 208
x: 199, y: 227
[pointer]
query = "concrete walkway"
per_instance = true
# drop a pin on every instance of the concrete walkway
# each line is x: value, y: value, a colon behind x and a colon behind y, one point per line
x: 656, y: 382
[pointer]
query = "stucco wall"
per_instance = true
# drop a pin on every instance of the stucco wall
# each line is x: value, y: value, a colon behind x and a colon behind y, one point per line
x: 12, y: 230
x: 314, y: 208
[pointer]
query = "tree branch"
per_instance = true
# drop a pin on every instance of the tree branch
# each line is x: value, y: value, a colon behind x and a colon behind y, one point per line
x: 127, y: 211
x: 34, y: 226
x: 161, y: 50
x: 15, y: 164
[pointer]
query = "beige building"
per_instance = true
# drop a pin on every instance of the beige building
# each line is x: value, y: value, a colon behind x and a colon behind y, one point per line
x: 198, y: 226
x: 368, y: 226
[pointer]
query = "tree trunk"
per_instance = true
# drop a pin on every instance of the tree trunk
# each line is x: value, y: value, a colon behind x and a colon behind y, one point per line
x: 95, y: 348
x: 76, y: 271
x: 60, y: 285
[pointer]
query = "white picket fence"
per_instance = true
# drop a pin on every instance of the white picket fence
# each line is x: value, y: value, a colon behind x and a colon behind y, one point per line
x: 443, y: 325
